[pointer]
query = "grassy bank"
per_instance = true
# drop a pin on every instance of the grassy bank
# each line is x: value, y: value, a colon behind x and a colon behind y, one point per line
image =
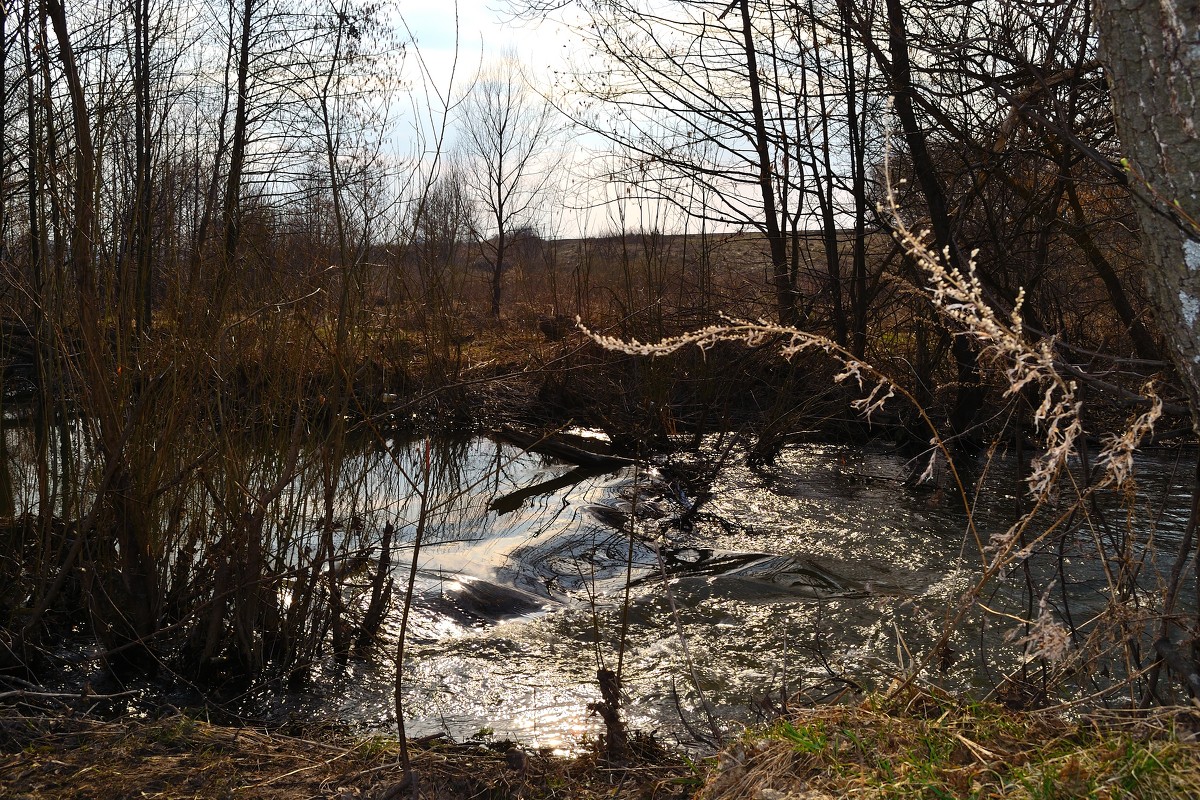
x: 937, y: 748
x: 924, y: 748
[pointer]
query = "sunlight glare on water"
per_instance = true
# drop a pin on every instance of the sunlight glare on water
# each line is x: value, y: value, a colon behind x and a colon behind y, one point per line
x: 514, y: 613
x: 820, y: 572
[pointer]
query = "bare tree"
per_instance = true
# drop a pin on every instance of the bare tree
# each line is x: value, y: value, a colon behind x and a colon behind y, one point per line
x: 754, y: 104
x: 506, y: 128
x: 440, y: 226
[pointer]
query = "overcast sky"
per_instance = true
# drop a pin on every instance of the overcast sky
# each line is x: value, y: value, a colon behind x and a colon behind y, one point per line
x: 575, y: 204
x: 481, y: 30
x: 450, y: 47
x: 482, y: 33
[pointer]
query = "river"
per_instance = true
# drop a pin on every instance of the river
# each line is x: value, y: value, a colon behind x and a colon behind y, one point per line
x: 822, y: 572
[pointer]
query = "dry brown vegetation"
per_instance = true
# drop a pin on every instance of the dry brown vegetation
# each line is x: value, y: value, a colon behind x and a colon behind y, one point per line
x: 45, y: 758
x: 928, y: 747
x: 916, y: 746
x: 215, y: 290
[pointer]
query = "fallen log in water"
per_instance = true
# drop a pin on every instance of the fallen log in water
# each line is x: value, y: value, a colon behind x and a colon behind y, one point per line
x: 513, y: 500
x: 553, y: 445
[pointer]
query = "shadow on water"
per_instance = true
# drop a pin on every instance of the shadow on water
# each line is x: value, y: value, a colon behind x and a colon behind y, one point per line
x: 825, y: 569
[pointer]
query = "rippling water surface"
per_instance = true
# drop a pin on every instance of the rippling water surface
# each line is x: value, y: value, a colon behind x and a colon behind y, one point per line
x: 821, y: 572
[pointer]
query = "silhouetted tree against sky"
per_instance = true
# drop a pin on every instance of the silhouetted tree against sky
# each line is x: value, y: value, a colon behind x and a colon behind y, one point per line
x: 506, y: 129
x: 713, y: 95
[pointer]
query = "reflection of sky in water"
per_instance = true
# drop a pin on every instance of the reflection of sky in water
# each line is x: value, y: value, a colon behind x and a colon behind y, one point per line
x: 884, y: 561
x: 825, y: 566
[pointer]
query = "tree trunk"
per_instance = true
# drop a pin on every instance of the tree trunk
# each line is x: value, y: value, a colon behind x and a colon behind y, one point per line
x: 785, y: 294
x: 856, y: 126
x: 1152, y: 53
x: 142, y: 209
x: 1143, y: 341
x: 498, y: 271
x: 969, y: 400
x: 233, y: 185
x: 129, y: 602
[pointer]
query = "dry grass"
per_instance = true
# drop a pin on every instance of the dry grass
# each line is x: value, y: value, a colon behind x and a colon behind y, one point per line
x: 938, y: 748
x: 925, y: 747
x: 180, y: 757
